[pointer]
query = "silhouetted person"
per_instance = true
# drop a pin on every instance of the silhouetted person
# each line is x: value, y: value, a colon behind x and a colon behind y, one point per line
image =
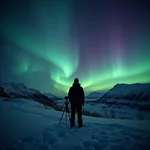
x: 76, y: 98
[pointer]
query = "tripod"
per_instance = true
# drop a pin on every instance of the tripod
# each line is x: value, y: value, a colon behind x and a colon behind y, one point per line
x: 66, y: 109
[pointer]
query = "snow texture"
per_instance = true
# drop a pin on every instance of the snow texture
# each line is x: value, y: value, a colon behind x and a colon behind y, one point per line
x: 20, y: 89
x: 94, y: 95
x: 137, y: 92
x: 27, y: 126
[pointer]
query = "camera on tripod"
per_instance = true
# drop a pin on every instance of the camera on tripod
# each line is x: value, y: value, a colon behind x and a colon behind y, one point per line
x: 66, y: 97
x: 66, y: 110
x: 66, y: 101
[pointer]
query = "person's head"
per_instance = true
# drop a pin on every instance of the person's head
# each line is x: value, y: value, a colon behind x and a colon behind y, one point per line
x: 76, y: 80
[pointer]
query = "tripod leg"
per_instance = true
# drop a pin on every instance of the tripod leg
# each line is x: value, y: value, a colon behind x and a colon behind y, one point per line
x: 69, y: 116
x: 61, y: 117
x: 66, y: 116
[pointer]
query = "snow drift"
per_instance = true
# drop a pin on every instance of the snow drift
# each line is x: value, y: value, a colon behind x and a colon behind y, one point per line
x: 25, y: 126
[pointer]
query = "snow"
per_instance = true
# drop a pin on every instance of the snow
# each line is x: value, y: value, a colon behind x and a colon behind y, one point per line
x: 122, y: 102
x: 129, y: 92
x: 130, y: 101
x: 112, y: 111
x: 18, y: 89
x: 26, y: 125
x: 124, y: 89
x: 51, y: 96
x: 95, y: 94
x: 117, y: 111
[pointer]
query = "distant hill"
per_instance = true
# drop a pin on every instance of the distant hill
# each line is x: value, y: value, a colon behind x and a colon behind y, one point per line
x: 52, y: 96
x: 134, y: 95
x: 19, y: 90
x: 95, y: 94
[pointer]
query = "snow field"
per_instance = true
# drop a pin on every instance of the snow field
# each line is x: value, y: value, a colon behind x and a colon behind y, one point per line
x: 25, y: 126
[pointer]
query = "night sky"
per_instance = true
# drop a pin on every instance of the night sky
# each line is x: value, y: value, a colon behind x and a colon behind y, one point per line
x: 45, y: 44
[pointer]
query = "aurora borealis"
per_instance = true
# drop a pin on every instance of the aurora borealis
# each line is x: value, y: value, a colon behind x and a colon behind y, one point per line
x: 45, y: 44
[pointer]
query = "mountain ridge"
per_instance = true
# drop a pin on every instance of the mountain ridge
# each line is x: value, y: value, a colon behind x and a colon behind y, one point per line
x: 137, y: 94
x: 19, y: 90
x: 95, y: 94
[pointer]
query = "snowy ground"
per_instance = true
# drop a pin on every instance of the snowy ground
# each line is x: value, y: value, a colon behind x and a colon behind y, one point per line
x: 113, y: 111
x: 120, y: 112
x: 25, y: 126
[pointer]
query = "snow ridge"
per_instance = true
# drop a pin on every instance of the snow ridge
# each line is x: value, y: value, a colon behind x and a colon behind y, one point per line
x: 95, y: 95
x: 19, y: 90
x: 128, y: 94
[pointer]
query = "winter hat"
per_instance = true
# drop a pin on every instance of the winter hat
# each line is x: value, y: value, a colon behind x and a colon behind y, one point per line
x: 76, y: 80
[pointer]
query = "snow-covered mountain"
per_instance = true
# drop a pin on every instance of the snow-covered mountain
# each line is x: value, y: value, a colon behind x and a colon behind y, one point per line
x: 19, y: 90
x: 95, y: 95
x: 122, y: 101
x: 133, y: 95
x: 52, y: 96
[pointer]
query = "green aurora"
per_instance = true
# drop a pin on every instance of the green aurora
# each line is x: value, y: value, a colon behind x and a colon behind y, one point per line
x: 51, y: 38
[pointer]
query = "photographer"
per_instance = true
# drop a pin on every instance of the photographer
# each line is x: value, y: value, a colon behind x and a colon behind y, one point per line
x: 76, y: 98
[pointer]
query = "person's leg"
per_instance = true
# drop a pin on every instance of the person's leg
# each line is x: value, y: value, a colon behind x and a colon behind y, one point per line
x: 73, y: 110
x: 79, y: 111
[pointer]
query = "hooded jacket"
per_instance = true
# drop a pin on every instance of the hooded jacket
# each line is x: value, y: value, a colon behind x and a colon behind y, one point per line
x: 76, y: 94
